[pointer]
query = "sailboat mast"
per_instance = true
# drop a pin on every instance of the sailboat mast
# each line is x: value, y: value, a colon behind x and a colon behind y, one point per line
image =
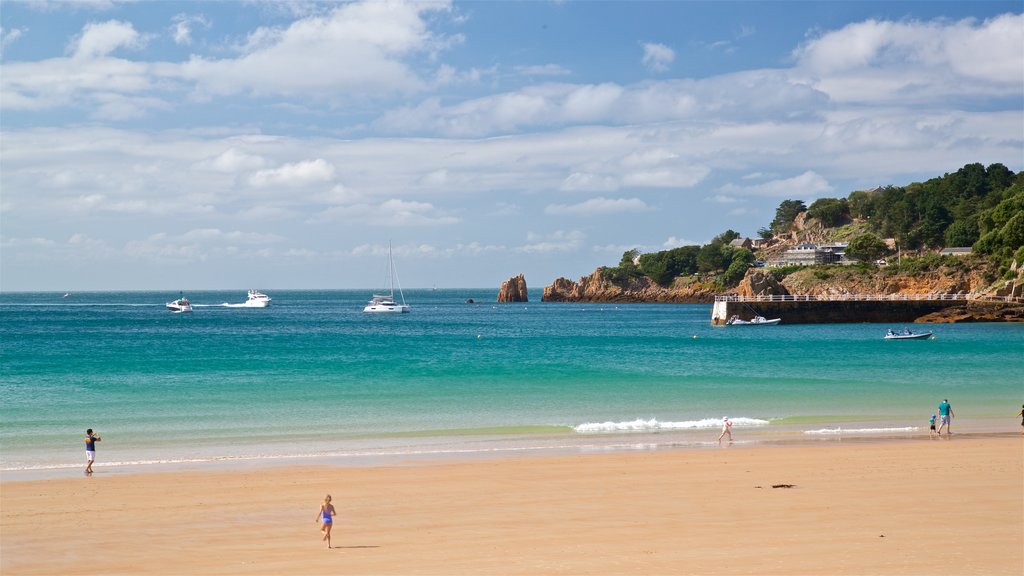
x: 391, y: 272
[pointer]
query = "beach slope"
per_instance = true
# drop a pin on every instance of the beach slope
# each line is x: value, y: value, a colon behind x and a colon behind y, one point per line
x: 951, y: 505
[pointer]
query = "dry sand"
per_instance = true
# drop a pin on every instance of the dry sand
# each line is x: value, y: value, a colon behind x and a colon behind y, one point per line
x: 944, y: 506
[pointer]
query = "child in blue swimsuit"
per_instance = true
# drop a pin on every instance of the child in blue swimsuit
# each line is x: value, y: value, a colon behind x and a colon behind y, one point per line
x: 324, y: 516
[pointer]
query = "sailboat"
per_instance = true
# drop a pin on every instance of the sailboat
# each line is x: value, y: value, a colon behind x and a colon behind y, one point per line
x: 385, y: 303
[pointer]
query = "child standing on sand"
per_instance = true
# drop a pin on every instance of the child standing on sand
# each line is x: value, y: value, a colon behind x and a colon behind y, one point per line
x: 326, y: 518
x: 931, y: 423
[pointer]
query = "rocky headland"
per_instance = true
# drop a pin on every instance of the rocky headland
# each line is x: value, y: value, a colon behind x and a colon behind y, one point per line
x: 969, y: 279
x: 598, y: 288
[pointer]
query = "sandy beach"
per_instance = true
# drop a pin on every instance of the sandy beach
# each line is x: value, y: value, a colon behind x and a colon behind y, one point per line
x: 951, y: 505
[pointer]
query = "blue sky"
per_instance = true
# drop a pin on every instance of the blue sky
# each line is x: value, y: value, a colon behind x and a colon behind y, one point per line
x: 201, y: 145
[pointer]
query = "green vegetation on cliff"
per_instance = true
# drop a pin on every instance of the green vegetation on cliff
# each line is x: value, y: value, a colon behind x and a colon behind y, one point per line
x: 974, y: 206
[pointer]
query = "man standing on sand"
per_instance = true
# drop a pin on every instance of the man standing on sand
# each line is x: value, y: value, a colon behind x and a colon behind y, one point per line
x: 945, y: 414
x: 90, y: 449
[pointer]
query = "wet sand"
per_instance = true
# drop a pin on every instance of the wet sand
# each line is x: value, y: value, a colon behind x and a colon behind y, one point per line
x: 951, y: 506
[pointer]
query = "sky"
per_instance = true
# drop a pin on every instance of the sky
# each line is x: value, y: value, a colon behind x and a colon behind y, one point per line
x: 278, y: 145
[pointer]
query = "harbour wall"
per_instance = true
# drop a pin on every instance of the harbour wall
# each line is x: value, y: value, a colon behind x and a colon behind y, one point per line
x: 814, y: 311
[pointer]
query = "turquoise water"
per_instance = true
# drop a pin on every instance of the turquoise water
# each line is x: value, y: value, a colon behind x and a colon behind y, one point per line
x: 314, y: 376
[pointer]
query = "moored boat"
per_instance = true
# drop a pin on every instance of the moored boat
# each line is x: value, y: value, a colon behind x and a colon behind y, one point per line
x: 755, y: 321
x: 385, y: 303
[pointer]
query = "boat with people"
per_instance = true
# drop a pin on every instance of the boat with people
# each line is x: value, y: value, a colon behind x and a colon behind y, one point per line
x: 385, y: 303
x: 180, y: 305
x: 257, y: 299
x: 755, y: 321
x: 906, y: 334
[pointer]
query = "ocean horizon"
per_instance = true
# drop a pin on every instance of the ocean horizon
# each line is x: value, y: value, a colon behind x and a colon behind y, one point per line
x: 314, y: 377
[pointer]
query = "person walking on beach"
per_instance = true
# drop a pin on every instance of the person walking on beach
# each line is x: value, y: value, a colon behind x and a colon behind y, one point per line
x: 325, y: 517
x: 1021, y: 419
x: 726, y: 429
x: 945, y: 415
x: 90, y: 449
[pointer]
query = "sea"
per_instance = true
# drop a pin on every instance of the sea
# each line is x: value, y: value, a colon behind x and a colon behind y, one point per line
x: 313, y: 379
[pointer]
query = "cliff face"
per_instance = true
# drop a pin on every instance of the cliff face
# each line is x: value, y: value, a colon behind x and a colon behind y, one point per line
x: 850, y: 280
x: 513, y: 290
x: 597, y: 288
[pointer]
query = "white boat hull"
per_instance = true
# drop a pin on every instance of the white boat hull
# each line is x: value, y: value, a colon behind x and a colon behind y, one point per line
x: 921, y: 336
x: 387, y: 308
x: 757, y: 321
x: 178, y: 307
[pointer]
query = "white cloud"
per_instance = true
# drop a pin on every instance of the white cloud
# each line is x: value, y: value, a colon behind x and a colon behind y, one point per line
x: 658, y: 57
x: 297, y: 174
x: 582, y: 181
x: 722, y: 199
x: 597, y: 207
x: 674, y: 242
x: 912, y: 61
x: 808, y: 184
x: 183, y: 24
x: 8, y: 37
x: 560, y: 241
x: 198, y: 244
x: 358, y: 48
x: 98, y: 40
x: 232, y: 161
x: 389, y: 213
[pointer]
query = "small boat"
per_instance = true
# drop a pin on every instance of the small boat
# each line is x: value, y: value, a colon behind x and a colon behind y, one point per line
x: 180, y: 305
x: 755, y: 321
x: 66, y: 295
x: 385, y: 303
x: 257, y: 299
x: 907, y: 335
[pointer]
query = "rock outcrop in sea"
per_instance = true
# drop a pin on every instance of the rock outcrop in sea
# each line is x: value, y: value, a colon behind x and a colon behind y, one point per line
x: 513, y: 290
x: 598, y: 288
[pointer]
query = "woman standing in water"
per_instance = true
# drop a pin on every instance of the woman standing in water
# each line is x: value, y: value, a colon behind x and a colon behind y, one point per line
x: 325, y: 517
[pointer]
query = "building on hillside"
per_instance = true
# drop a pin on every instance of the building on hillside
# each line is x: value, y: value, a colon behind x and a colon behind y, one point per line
x: 741, y: 243
x: 758, y: 243
x: 809, y: 254
x: 958, y: 251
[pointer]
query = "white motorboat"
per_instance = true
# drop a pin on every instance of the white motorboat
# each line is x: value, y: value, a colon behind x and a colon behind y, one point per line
x: 385, y: 303
x: 755, y: 321
x: 257, y: 299
x: 907, y: 335
x: 180, y: 305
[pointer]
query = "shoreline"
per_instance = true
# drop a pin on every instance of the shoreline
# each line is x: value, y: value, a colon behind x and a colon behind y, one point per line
x: 877, y: 507
x: 489, y: 448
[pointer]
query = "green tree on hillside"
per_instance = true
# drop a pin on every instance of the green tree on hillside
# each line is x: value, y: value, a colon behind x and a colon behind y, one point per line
x: 665, y: 266
x: 866, y: 248
x: 785, y: 214
x: 831, y: 212
x: 741, y: 261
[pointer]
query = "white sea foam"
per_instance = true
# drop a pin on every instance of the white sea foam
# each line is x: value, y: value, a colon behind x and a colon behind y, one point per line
x: 837, y: 431
x: 641, y: 425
